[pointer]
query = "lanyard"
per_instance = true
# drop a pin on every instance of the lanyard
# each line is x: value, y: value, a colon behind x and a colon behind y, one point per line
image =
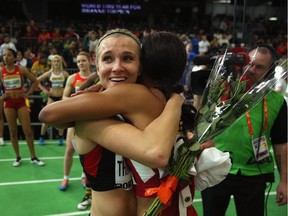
x: 248, y: 119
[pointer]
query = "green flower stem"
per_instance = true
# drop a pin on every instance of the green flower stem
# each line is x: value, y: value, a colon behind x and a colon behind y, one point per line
x: 179, y: 170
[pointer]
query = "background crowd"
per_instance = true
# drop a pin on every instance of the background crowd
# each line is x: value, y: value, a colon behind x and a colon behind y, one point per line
x: 37, y: 42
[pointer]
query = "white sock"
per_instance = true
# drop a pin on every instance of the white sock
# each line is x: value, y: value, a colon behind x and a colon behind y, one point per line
x: 83, y: 175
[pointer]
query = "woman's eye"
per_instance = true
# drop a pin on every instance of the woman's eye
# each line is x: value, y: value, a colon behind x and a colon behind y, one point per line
x: 128, y: 58
x: 106, y: 58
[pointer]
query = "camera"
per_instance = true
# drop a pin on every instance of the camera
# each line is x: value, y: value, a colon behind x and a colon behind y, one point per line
x: 232, y: 65
x: 235, y: 59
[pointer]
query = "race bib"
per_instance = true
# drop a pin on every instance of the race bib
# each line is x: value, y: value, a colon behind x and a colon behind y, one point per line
x: 123, y: 176
x: 260, y: 148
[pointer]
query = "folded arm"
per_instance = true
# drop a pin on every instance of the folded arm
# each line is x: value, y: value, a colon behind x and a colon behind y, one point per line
x: 151, y: 147
x: 97, y: 105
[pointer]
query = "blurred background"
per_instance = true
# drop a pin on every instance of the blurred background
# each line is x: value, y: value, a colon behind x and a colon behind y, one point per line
x: 41, y: 28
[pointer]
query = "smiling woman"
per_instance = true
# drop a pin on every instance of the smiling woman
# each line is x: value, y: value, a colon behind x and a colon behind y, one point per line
x: 163, y: 59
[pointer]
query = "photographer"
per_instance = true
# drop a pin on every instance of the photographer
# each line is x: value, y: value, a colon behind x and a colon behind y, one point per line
x: 249, y: 141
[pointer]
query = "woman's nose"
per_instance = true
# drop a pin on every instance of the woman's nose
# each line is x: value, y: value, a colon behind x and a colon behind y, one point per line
x: 117, y: 66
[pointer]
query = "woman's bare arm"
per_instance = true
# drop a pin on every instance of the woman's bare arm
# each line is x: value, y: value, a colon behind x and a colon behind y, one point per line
x: 91, y: 80
x: 31, y: 77
x: 151, y: 147
x: 96, y: 105
x: 43, y: 77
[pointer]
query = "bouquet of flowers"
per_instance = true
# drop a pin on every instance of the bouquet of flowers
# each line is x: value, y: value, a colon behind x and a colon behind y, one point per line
x: 227, y: 96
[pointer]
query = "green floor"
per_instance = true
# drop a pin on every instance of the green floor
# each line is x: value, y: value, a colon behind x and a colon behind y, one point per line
x: 29, y: 190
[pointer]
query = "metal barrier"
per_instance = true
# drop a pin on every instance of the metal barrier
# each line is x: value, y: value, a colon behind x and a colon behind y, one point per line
x: 39, y: 72
x: 26, y: 42
x: 36, y: 104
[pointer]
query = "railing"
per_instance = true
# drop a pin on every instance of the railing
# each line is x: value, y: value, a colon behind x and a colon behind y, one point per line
x: 36, y: 104
x: 39, y: 72
x: 26, y: 42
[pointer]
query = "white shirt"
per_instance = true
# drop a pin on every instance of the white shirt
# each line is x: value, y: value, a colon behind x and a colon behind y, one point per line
x: 5, y: 46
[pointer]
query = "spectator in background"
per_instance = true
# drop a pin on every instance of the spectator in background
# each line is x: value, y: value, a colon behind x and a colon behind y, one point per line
x: 57, y: 38
x: 56, y: 35
x: 195, y: 43
x: 44, y: 47
x: 70, y: 34
x: 204, y: 45
x: 214, y: 45
x: 185, y: 80
x: 16, y: 37
x: 30, y: 57
x: 6, y: 44
x: 20, y: 60
x: 70, y: 53
x: 31, y: 29
x: 90, y: 41
x: 146, y: 32
x: 184, y: 38
x: 2, y: 33
x: 54, y: 51
x: 40, y: 66
x: 282, y: 48
x: 224, y: 39
x: 28, y: 32
x: 44, y: 36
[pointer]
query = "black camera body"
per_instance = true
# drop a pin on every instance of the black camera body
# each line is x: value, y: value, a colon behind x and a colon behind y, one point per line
x: 232, y: 65
x: 235, y: 59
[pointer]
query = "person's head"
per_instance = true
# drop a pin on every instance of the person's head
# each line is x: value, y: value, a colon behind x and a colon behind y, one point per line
x: 53, y: 50
x: 19, y: 55
x: 83, y: 61
x: 163, y: 61
x: 204, y: 38
x: 146, y: 32
x: 118, y: 57
x: 6, y: 38
x: 189, y: 47
x: 43, y: 59
x: 264, y: 60
x: 9, y: 56
x: 56, y: 62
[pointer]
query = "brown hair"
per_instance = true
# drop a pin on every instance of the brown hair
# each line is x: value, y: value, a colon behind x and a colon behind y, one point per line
x: 116, y: 33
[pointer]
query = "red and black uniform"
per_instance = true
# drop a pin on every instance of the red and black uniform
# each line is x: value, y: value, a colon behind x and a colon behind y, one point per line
x: 13, y: 81
x: 106, y: 170
x: 78, y: 81
x: 145, y: 178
